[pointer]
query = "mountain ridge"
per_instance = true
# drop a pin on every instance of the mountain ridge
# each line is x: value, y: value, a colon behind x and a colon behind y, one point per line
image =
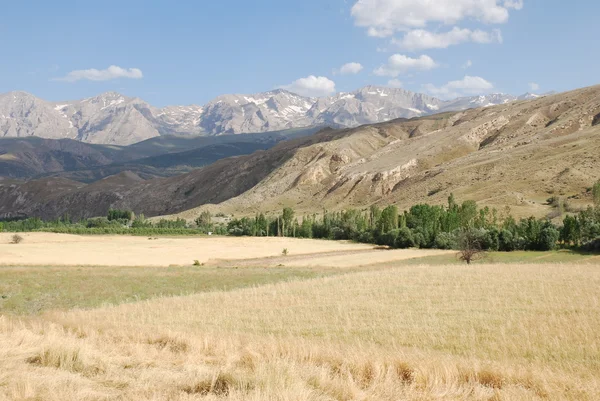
x: 517, y: 154
x: 114, y: 119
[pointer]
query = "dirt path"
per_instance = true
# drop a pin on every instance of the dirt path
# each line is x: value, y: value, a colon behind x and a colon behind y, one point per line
x: 341, y: 259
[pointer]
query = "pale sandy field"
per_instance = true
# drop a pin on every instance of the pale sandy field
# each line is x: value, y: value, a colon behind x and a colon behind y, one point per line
x: 43, y: 249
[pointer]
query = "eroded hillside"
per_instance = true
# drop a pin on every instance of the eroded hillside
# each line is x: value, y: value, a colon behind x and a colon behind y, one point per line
x: 517, y: 154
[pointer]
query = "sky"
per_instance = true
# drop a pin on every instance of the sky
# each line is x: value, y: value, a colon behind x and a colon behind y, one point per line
x: 189, y: 52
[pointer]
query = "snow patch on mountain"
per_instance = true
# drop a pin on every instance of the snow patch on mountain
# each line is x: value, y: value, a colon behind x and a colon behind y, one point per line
x: 113, y: 118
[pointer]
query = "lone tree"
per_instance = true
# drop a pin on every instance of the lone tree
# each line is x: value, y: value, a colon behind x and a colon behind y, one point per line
x: 470, y: 246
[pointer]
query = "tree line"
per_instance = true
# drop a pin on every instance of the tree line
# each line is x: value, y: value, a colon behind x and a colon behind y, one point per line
x: 423, y: 226
x: 433, y: 226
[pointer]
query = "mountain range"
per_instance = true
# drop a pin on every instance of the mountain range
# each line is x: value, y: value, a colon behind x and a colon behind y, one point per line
x: 114, y: 119
x: 516, y: 154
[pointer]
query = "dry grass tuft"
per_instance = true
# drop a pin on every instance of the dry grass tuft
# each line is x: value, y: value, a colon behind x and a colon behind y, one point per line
x: 59, y: 358
x: 405, y: 372
x: 491, y: 378
x: 65, y: 357
x: 170, y: 343
x: 220, y: 385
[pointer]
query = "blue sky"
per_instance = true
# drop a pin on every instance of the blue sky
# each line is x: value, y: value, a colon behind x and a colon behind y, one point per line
x: 188, y: 52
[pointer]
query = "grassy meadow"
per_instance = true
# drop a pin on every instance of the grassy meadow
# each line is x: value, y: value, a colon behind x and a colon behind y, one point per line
x: 33, y: 290
x: 419, y: 329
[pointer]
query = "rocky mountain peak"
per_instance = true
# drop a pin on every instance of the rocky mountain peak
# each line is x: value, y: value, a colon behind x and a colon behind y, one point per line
x: 113, y: 118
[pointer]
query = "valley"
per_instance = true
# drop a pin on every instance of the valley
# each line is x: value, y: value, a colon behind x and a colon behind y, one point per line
x: 364, y: 200
x: 478, y: 154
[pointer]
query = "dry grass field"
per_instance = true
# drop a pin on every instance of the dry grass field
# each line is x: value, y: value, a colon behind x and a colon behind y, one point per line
x: 43, y: 249
x: 397, y: 331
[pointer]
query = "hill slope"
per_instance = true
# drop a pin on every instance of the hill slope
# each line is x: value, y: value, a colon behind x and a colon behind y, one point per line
x: 515, y: 154
x: 33, y: 157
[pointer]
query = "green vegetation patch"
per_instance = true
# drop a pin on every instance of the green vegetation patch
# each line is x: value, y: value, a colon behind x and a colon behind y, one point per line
x: 32, y: 290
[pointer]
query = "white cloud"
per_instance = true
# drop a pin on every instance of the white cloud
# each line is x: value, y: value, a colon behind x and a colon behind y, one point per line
x: 311, y: 86
x: 420, y: 39
x: 350, y: 69
x: 467, y: 86
x: 516, y: 4
x: 468, y: 64
x: 112, y: 72
x: 534, y: 87
x: 383, y: 18
x: 399, y: 64
x: 395, y: 83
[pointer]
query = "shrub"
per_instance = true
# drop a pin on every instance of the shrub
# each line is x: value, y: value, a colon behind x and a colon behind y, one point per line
x: 490, y: 239
x: 102, y: 222
x: 404, y: 238
x: 419, y: 239
x: 365, y: 237
x: 592, y: 246
x: 506, y: 241
x: 204, y: 221
x: 16, y: 239
x: 548, y: 238
x: 388, y: 238
x: 445, y: 241
x: 285, y: 252
x: 114, y: 214
x: 236, y: 232
x: 197, y: 263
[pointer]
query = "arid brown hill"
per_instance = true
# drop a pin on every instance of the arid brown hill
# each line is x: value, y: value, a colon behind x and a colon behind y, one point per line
x: 517, y: 154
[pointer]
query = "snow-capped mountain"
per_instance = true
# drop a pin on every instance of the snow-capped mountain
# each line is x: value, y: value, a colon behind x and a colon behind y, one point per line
x: 268, y: 111
x: 463, y: 103
x: 112, y: 118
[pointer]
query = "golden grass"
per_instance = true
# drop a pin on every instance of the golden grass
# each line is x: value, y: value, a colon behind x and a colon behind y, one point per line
x: 49, y: 249
x: 491, y: 332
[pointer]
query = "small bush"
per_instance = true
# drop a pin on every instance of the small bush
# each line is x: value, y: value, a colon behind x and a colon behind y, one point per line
x: 197, y: 263
x: 285, y: 252
x: 404, y: 239
x: 445, y: 241
x: 16, y: 239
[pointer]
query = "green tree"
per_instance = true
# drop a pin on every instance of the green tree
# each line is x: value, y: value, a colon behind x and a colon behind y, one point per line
x: 204, y: 221
x: 404, y: 238
x: 548, y: 238
x: 287, y: 220
x: 467, y: 213
x: 570, y: 232
x: 262, y: 225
